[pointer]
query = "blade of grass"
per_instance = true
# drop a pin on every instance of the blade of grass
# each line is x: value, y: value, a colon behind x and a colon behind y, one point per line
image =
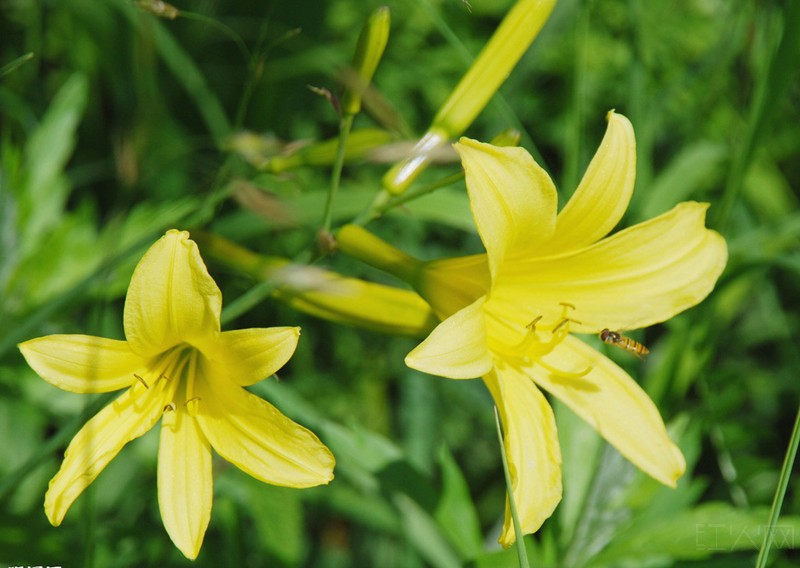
x: 188, y: 74
x: 772, y: 84
x: 9, y: 67
x: 522, y: 554
x: 780, y: 493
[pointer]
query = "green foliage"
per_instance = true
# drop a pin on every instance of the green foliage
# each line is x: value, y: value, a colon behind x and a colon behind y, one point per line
x: 120, y: 125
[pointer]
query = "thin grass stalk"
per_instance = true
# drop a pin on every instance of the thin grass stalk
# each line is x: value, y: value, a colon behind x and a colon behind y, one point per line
x: 336, y: 175
x: 522, y: 553
x: 780, y: 493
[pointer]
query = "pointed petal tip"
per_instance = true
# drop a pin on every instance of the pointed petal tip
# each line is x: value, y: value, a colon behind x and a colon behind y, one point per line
x: 81, y: 363
x: 456, y: 348
x: 190, y: 551
x: 679, y: 468
x: 325, y: 468
x: 612, y: 116
x: 180, y: 234
x: 52, y: 515
x: 433, y: 364
x: 619, y: 122
x: 470, y: 142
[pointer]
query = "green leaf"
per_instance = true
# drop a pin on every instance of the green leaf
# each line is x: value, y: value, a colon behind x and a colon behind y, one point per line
x: 448, y: 207
x: 693, y: 168
x: 45, y: 190
x: 278, y: 515
x: 423, y: 532
x: 455, y: 510
x: 711, y: 528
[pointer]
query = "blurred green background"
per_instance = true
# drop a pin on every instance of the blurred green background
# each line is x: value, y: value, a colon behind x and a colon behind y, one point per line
x: 120, y: 125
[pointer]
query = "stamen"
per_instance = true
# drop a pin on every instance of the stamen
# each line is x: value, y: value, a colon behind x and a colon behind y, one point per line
x: 193, y: 399
x: 169, y: 407
x: 558, y: 326
x: 141, y: 380
x: 562, y: 322
x: 532, y: 326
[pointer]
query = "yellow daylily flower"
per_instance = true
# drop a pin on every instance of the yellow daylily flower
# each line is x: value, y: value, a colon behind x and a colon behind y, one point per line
x: 547, y: 275
x: 179, y: 367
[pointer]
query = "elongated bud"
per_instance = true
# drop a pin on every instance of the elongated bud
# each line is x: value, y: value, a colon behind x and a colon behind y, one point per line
x: 355, y: 241
x: 447, y: 284
x: 159, y: 8
x: 369, y: 51
x: 505, y: 48
x: 327, y: 294
x: 359, y: 143
x: 508, y: 137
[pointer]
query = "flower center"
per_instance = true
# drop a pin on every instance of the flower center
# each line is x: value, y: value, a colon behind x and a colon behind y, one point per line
x: 172, y: 375
x: 538, y: 340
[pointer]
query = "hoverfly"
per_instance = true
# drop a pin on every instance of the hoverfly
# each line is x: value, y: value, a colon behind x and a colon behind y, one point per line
x: 623, y: 342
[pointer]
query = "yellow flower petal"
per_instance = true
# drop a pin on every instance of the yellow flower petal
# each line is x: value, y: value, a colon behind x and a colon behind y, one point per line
x: 251, y: 355
x: 450, y: 284
x: 255, y: 437
x: 457, y: 348
x: 100, y: 440
x: 171, y: 298
x: 82, y: 363
x: 614, y: 405
x: 185, y: 481
x: 513, y: 200
x: 604, y: 192
x: 635, y: 278
x: 532, y: 451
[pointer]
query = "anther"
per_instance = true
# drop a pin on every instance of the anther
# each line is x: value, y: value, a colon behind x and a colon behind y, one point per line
x: 169, y: 407
x: 534, y: 321
x: 564, y: 321
x: 141, y: 380
x: 567, y: 305
x: 193, y: 399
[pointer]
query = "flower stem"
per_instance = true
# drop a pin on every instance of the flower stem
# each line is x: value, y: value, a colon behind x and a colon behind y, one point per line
x: 336, y: 176
x: 384, y: 201
x: 780, y: 493
x: 522, y: 554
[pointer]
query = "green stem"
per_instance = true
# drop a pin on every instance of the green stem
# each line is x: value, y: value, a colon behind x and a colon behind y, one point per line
x: 780, y: 493
x: 384, y: 201
x: 344, y: 131
x: 219, y: 26
x: 522, y: 553
x: 247, y: 301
